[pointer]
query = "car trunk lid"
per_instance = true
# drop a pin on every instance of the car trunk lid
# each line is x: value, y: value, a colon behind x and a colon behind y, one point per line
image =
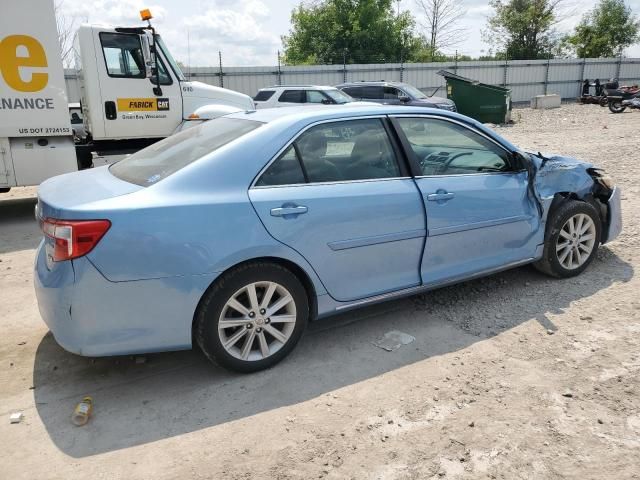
x: 73, y: 195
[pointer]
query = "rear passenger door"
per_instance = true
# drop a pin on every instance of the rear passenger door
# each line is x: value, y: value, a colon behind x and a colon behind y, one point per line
x: 340, y: 195
x: 290, y: 98
x: 374, y: 93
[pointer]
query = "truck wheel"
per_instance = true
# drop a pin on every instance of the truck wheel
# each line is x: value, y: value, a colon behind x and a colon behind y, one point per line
x: 252, y: 317
x: 572, y: 239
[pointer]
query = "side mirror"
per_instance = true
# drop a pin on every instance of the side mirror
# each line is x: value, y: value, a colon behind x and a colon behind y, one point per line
x: 149, y: 61
x: 404, y: 98
x: 326, y: 101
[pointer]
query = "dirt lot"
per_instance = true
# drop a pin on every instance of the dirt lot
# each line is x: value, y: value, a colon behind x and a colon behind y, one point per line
x: 511, y: 376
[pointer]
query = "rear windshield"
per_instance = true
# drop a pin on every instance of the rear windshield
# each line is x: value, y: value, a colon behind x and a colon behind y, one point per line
x: 264, y: 95
x: 158, y: 161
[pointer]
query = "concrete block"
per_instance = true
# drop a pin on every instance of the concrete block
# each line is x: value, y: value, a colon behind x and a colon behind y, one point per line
x: 546, y: 101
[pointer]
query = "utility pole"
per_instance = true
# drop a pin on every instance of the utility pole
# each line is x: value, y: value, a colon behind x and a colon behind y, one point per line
x: 221, y: 79
x: 344, y: 65
x: 279, y: 70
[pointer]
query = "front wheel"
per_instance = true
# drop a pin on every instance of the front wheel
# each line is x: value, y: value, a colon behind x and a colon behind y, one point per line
x: 604, y: 101
x: 252, y: 317
x: 573, y: 237
x: 616, y: 106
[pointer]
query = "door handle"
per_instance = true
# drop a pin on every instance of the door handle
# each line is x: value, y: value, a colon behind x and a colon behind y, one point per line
x: 440, y: 196
x: 110, y: 110
x: 284, y: 211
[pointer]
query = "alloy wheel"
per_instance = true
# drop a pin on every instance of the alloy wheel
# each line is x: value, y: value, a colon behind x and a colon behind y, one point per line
x: 257, y: 321
x: 576, y: 241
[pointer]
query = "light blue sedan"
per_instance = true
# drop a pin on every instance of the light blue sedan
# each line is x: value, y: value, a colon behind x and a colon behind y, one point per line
x: 239, y: 231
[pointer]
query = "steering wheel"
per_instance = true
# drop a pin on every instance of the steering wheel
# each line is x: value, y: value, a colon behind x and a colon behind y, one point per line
x: 449, y: 161
x: 426, y: 158
x: 446, y: 163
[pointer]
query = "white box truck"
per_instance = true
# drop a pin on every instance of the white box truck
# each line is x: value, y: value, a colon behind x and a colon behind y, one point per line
x: 132, y: 94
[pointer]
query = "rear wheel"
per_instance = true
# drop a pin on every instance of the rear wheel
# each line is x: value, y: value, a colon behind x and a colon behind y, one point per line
x: 252, y: 317
x: 616, y: 106
x: 573, y: 237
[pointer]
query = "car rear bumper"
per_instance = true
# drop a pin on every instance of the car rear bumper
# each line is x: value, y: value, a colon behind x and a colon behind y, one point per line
x: 91, y: 316
x: 614, y: 216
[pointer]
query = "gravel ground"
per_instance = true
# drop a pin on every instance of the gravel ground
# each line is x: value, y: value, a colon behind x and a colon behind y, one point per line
x: 511, y: 376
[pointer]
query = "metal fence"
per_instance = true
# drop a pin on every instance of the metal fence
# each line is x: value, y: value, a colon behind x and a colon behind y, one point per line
x: 525, y: 78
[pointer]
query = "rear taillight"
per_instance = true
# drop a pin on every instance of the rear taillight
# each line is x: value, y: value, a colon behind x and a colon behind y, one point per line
x: 73, y: 238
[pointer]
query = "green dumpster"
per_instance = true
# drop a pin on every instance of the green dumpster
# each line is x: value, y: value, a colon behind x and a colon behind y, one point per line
x: 485, y: 103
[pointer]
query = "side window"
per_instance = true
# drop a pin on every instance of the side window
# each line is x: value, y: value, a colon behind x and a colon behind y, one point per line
x: 314, y: 96
x: 286, y: 170
x: 446, y: 148
x: 123, y: 55
x: 348, y: 150
x: 355, y: 92
x: 264, y: 95
x: 75, y: 118
x: 373, y: 92
x: 165, y: 78
x: 292, y: 96
x: 391, y: 93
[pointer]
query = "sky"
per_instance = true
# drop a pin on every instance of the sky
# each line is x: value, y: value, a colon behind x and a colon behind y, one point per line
x: 248, y: 32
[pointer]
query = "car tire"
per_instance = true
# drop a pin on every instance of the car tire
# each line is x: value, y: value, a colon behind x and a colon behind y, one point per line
x: 237, y: 302
x: 572, y: 239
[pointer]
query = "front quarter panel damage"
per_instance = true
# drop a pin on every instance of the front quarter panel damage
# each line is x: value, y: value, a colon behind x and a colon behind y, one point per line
x: 560, y: 178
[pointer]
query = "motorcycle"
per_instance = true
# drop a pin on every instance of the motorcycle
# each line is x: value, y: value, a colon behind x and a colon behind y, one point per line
x: 619, y: 100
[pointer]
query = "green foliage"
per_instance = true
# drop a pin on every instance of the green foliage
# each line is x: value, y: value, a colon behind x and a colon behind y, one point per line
x: 605, y: 31
x: 363, y: 31
x: 523, y: 29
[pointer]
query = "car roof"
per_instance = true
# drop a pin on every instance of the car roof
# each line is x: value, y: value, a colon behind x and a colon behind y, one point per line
x: 279, y: 127
x: 311, y: 114
x: 365, y: 83
x: 317, y: 87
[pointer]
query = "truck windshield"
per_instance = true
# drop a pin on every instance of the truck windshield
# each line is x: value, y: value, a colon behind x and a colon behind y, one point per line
x: 172, y: 62
x: 158, y: 161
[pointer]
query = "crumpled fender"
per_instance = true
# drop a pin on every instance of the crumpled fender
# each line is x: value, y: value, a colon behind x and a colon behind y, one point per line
x: 559, y: 177
x: 562, y: 174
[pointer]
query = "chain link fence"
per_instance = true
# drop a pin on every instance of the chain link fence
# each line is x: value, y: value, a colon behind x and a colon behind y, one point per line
x: 525, y: 78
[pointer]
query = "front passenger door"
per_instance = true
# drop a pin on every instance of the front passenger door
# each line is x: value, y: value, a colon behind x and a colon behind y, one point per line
x: 479, y: 214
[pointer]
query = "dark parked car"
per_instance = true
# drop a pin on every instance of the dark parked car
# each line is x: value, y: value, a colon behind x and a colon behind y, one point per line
x: 394, y: 93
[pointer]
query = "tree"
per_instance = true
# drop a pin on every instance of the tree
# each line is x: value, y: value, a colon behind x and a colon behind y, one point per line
x: 358, y: 31
x: 523, y: 29
x: 605, y: 31
x: 66, y: 29
x: 441, y: 20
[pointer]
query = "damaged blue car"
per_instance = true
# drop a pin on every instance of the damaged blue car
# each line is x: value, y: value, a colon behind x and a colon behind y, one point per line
x: 236, y: 233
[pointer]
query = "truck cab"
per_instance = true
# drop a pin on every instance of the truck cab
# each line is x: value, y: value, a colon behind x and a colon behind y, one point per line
x: 129, y: 92
x: 132, y: 94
